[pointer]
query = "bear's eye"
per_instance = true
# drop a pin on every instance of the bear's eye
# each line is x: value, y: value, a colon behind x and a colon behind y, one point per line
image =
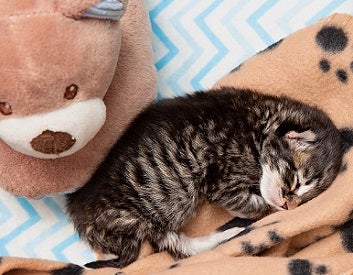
x: 5, y: 108
x: 71, y: 91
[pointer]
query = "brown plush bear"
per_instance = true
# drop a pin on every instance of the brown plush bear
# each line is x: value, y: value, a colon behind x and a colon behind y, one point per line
x: 73, y: 75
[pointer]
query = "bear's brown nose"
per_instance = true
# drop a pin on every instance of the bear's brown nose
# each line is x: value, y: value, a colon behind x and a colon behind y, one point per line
x: 50, y: 142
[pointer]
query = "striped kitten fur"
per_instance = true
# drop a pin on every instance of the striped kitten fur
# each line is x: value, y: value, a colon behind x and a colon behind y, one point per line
x: 247, y: 152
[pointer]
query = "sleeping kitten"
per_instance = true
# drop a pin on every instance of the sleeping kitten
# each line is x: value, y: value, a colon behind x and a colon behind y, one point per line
x: 247, y: 152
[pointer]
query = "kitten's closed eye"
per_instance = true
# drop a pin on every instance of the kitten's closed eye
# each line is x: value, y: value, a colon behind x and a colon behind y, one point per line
x: 304, y: 189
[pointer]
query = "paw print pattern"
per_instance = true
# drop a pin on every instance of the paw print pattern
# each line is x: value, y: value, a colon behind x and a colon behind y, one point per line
x: 333, y: 40
x: 305, y: 267
x: 347, y: 137
x: 347, y: 235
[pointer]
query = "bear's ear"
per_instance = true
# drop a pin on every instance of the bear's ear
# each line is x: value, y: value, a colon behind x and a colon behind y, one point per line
x: 98, y: 9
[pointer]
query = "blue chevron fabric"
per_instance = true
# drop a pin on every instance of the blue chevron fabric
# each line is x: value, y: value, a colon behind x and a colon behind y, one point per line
x: 195, y: 43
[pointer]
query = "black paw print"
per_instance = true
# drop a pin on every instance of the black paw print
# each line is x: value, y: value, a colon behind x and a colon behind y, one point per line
x: 333, y: 40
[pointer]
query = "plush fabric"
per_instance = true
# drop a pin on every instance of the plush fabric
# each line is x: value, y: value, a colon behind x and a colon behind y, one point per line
x: 48, y: 47
x: 313, y: 65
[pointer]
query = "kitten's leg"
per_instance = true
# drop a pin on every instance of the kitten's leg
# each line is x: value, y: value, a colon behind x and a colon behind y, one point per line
x: 251, y: 207
x: 181, y: 246
x: 126, y: 246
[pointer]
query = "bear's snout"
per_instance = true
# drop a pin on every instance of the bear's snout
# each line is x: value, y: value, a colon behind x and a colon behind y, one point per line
x: 50, y: 142
x: 55, y: 134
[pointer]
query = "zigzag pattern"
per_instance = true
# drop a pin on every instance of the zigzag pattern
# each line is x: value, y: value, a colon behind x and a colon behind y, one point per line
x: 195, y: 43
x: 39, y: 229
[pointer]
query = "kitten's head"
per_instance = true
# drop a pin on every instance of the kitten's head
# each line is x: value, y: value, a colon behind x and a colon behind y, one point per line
x: 298, y: 164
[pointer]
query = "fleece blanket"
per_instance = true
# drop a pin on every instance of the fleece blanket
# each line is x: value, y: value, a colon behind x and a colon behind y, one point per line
x: 314, y: 65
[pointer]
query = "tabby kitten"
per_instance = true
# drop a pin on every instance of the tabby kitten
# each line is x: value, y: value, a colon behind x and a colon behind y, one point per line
x: 245, y: 151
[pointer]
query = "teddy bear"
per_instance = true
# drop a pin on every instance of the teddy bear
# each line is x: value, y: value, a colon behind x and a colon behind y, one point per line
x: 74, y: 73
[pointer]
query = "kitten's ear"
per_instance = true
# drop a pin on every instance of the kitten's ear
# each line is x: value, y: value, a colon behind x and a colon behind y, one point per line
x: 300, y: 140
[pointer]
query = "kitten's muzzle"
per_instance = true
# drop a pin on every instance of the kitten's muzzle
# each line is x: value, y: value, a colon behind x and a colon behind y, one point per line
x: 285, y: 206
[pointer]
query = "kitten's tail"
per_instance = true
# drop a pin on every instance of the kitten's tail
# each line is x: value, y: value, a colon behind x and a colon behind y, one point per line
x: 180, y: 245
